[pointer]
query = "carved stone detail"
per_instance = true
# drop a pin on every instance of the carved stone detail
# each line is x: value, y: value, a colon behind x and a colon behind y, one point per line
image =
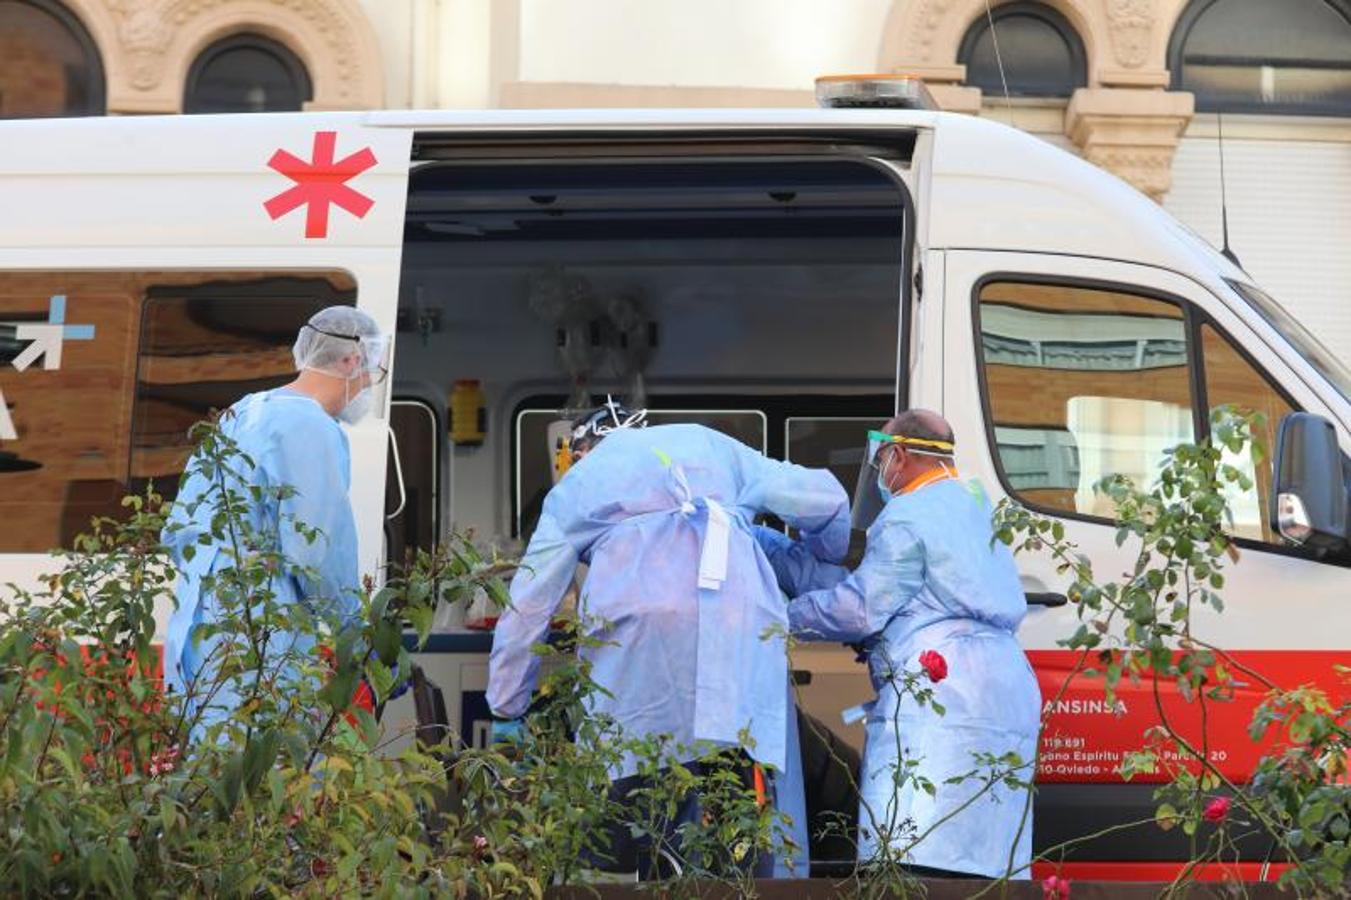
x: 145, y: 39
x: 1149, y: 170
x: 1131, y: 133
x: 924, y: 23
x: 156, y: 41
x: 1131, y: 25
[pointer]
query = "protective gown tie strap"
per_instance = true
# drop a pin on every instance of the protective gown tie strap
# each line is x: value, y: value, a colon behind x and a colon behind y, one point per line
x: 717, y: 535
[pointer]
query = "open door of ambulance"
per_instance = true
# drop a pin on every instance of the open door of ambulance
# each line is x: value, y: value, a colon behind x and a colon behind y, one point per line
x: 153, y: 270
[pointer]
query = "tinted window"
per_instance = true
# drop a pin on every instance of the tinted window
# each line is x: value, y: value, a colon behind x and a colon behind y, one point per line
x: 1081, y: 384
x: 48, y: 64
x: 1041, y: 53
x: 538, y: 431
x: 1264, y: 56
x: 247, y: 73
x: 103, y: 374
x: 413, y: 513
x: 835, y: 443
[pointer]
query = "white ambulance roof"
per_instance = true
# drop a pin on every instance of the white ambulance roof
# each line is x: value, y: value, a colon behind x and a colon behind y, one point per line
x: 990, y: 186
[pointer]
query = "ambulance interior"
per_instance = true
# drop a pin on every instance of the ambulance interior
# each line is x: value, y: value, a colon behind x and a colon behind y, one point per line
x: 761, y: 298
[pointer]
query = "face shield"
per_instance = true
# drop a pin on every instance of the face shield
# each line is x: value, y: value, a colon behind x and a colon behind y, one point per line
x: 376, y: 353
x: 333, y: 336
x: 868, y: 500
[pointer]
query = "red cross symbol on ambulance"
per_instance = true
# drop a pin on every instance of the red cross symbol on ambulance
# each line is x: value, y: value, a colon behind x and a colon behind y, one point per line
x: 320, y: 183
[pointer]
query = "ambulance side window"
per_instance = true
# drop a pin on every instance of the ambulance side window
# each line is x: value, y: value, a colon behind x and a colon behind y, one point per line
x: 1231, y: 379
x: 413, y: 515
x: 102, y: 374
x: 1080, y: 383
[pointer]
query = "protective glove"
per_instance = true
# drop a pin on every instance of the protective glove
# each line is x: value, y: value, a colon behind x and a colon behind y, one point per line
x: 507, y: 731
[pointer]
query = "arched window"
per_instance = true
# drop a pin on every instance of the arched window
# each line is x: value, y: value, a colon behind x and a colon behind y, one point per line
x: 1260, y: 56
x: 49, y: 65
x: 246, y: 73
x: 1042, y: 53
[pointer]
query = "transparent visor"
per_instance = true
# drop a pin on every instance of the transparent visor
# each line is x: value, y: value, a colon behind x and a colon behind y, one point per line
x: 868, y: 499
x: 377, y: 352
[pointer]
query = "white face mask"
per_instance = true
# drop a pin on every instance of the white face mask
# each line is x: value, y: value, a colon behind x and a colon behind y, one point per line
x: 357, y: 407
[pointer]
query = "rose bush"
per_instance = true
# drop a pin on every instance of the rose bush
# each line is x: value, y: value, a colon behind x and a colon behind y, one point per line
x: 294, y: 792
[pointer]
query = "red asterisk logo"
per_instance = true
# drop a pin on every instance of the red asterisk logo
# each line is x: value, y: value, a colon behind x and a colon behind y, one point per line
x: 320, y: 183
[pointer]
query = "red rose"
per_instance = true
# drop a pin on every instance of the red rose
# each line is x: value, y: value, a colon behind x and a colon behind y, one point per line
x: 935, y: 666
x: 1217, y: 810
x: 1055, y: 888
x: 480, y: 846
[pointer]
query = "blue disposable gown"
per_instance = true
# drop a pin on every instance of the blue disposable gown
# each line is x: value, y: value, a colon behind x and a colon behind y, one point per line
x: 930, y: 580
x: 291, y: 441
x: 684, y: 600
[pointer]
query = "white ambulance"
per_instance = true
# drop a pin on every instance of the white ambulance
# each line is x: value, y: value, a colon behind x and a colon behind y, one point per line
x: 791, y: 277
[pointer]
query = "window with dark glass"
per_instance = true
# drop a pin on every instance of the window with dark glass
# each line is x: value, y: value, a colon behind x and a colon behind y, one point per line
x: 49, y: 65
x: 539, y: 430
x: 247, y: 73
x: 103, y: 374
x: 1292, y: 56
x: 412, y: 480
x: 1041, y: 53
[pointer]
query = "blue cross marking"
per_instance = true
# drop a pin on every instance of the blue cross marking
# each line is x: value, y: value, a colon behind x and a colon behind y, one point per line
x: 56, y: 315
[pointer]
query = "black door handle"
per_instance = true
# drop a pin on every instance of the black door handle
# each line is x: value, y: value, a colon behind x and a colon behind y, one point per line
x: 1043, y: 598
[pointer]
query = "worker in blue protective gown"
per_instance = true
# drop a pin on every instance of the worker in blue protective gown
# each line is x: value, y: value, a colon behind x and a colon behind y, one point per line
x: 292, y: 438
x: 677, y: 588
x: 932, y: 579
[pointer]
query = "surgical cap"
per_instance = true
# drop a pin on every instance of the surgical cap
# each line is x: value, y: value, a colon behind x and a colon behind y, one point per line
x: 334, y: 333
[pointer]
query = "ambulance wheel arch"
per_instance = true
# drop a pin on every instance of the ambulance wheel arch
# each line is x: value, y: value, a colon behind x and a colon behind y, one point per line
x: 1060, y: 370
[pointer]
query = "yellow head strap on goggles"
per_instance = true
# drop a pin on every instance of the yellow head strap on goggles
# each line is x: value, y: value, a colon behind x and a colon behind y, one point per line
x: 879, y: 439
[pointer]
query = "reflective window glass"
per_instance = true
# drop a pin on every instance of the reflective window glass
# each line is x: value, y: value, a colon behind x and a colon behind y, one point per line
x: 538, y: 432
x: 1231, y: 379
x: 103, y: 374
x: 247, y: 73
x: 1081, y: 384
x: 49, y: 66
x: 835, y: 443
x: 412, y: 495
x: 1041, y: 53
x: 1292, y: 56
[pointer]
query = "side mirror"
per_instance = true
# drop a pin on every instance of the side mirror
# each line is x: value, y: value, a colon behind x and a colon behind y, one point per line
x: 1309, y: 500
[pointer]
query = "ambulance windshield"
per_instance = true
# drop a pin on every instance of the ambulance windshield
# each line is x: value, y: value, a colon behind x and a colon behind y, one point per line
x: 1308, y: 346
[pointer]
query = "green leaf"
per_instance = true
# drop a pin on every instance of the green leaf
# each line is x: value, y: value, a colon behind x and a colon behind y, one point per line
x: 168, y: 813
x: 387, y: 641
x: 421, y: 619
x: 259, y: 758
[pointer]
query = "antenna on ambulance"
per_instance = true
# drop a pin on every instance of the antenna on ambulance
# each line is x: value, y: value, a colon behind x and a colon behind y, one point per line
x: 1228, y: 252
x: 999, y: 60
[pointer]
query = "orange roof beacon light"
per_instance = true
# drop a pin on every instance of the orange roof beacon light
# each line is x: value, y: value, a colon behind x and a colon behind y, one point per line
x: 873, y: 92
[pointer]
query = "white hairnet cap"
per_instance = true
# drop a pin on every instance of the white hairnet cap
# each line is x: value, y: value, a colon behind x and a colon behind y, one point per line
x: 335, y: 333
